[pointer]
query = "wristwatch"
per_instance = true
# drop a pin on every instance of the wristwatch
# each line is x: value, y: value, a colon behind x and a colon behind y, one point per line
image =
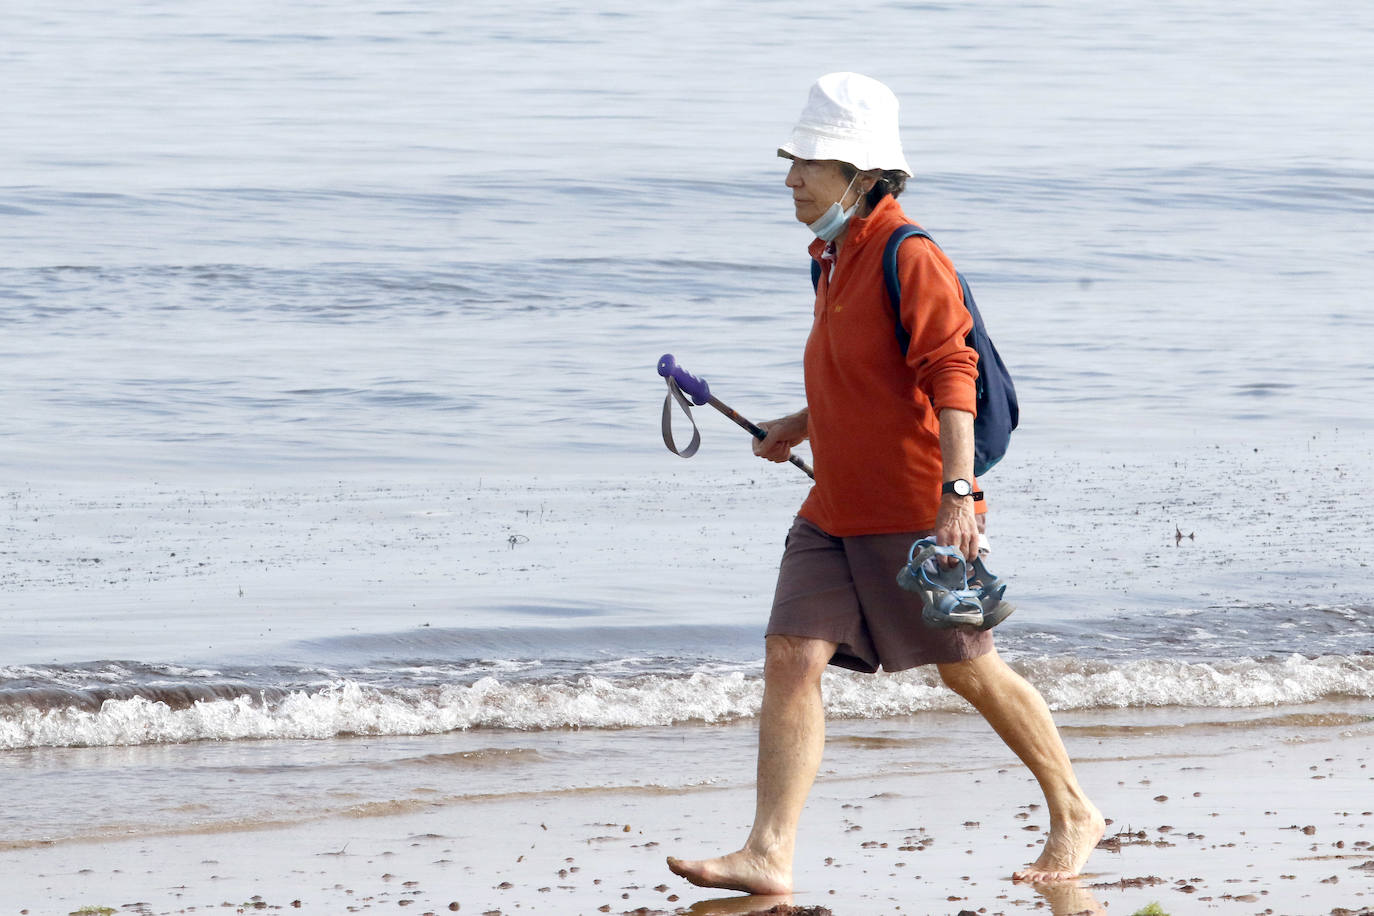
x: 961, y: 487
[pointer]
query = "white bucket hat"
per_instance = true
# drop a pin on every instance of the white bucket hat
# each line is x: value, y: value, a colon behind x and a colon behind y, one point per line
x: 852, y: 118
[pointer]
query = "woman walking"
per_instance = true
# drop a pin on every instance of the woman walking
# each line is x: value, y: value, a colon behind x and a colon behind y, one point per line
x: 891, y: 434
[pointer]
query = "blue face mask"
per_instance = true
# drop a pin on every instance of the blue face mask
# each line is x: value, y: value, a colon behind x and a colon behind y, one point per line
x: 833, y: 221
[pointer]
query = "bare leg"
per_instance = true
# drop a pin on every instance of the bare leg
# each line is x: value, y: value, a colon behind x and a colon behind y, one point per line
x: 1018, y: 714
x: 791, y: 738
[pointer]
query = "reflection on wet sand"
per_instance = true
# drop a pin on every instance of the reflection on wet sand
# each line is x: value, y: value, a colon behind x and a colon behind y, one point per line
x: 738, y: 906
x: 1068, y: 898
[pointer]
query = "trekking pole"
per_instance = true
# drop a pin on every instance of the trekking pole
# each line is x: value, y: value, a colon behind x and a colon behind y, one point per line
x: 681, y: 381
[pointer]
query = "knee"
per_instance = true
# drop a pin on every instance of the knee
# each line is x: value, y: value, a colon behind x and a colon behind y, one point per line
x: 968, y: 678
x: 795, y: 660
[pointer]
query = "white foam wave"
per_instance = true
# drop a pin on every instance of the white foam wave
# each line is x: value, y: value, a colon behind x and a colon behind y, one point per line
x: 349, y: 708
x: 1239, y: 683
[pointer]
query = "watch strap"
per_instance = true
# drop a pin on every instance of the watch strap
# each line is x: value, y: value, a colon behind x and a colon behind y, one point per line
x: 948, y: 487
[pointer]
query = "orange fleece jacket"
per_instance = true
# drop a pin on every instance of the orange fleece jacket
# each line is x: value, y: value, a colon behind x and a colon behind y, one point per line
x: 874, y: 417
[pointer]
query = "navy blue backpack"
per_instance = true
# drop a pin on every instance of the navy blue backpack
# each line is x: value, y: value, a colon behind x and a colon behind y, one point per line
x: 997, y: 409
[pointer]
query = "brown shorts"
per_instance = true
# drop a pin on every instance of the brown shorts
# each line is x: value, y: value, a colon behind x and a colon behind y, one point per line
x: 844, y: 590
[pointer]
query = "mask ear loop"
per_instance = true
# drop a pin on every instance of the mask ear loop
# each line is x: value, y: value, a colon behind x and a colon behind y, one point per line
x: 847, y: 189
x: 863, y: 194
x: 853, y: 211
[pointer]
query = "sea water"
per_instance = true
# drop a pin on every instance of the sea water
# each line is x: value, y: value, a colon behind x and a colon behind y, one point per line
x: 329, y: 429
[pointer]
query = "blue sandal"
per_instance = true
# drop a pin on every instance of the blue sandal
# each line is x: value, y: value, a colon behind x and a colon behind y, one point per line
x: 990, y: 592
x: 952, y: 596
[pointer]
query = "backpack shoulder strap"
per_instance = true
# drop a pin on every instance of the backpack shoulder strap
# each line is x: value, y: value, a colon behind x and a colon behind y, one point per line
x: 815, y: 275
x: 891, y: 280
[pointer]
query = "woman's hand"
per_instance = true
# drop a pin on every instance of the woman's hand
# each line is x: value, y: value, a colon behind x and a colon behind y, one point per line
x: 783, y: 434
x: 956, y: 524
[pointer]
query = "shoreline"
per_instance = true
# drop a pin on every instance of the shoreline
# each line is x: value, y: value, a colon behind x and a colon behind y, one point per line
x: 1278, y: 829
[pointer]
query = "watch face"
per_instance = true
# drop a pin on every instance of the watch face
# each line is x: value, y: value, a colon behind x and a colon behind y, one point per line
x: 960, y: 487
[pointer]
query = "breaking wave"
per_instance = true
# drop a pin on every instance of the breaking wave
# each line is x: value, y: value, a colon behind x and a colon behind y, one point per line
x: 170, y: 714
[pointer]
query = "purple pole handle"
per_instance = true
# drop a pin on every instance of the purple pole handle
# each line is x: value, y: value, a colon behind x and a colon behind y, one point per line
x: 695, y: 388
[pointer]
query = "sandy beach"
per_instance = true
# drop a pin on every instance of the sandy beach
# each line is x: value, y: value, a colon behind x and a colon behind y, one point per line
x: 1279, y: 829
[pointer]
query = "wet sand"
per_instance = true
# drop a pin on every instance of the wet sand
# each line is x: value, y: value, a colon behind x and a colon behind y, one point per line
x: 1285, y: 829
x: 251, y: 567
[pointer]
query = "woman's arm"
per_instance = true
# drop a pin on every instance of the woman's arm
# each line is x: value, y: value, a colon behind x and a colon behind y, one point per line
x: 955, y: 522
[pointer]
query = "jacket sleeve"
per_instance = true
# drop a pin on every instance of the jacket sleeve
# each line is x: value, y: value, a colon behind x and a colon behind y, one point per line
x: 933, y: 313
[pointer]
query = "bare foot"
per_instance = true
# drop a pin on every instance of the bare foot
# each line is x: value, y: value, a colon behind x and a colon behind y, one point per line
x: 739, y: 871
x: 1066, y: 849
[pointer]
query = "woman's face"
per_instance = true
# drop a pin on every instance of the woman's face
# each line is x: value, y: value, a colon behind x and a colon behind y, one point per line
x: 816, y: 184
